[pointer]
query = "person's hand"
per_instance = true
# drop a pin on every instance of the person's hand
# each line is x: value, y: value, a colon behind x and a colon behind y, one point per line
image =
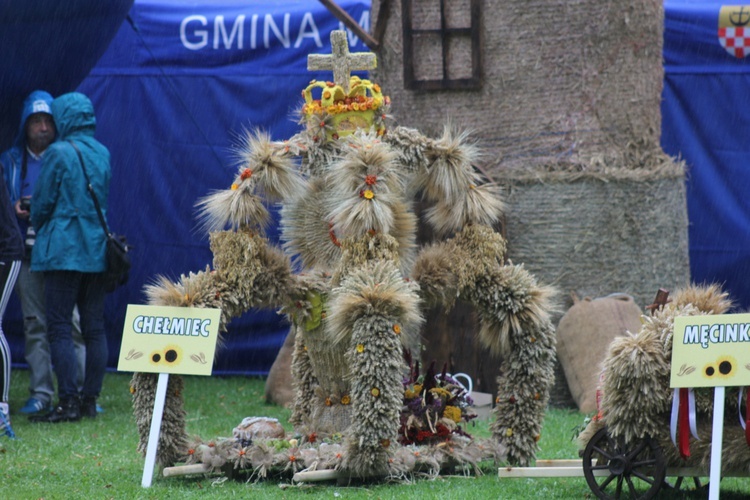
x: 22, y: 212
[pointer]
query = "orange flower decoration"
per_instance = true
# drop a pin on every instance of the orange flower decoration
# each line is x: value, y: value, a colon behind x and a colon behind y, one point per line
x: 345, y: 400
x: 234, y: 187
x: 397, y: 329
x: 385, y: 443
x: 246, y: 174
x: 329, y: 402
x: 370, y: 180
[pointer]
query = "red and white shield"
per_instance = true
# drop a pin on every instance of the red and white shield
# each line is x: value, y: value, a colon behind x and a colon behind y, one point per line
x: 734, y: 29
x: 736, y: 41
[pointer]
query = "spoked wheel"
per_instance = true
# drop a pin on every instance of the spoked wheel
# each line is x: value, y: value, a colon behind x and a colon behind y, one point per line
x: 614, y: 471
x: 687, y: 483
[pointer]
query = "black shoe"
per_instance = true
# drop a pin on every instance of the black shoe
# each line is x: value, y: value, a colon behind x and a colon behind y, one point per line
x: 88, y: 407
x: 65, y: 411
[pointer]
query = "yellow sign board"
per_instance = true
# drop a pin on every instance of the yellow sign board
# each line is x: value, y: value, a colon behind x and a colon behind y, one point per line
x: 711, y: 351
x: 159, y: 339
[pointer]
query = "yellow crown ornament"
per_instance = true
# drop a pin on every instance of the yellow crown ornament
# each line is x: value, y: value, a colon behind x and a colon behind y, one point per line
x: 348, y: 103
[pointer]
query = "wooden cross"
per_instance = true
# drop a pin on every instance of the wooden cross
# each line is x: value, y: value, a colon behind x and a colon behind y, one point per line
x: 341, y: 61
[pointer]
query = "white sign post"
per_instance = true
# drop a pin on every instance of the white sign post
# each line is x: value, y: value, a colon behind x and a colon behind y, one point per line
x: 153, y: 435
x: 717, y: 435
x: 164, y: 340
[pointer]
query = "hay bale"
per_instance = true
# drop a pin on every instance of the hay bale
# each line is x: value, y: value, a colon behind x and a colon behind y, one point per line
x: 583, y: 338
x: 589, y: 235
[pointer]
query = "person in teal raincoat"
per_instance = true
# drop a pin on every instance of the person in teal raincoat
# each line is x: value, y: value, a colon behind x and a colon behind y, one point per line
x: 70, y: 251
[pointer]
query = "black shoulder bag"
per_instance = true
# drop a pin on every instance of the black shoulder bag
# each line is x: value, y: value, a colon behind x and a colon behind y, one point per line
x: 118, y: 260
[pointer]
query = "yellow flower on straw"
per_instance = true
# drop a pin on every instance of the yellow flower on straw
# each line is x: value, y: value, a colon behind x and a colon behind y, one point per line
x: 368, y: 194
x: 440, y: 392
x: 453, y: 413
x: 360, y: 348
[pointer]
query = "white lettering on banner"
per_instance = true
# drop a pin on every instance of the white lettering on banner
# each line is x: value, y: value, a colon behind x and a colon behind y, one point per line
x: 201, y: 34
x: 160, y: 325
x: 230, y: 34
x: 254, y: 32
x: 269, y: 24
x: 313, y: 33
x: 716, y: 334
x: 237, y: 29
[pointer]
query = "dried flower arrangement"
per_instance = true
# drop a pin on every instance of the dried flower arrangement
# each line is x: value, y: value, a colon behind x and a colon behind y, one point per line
x: 435, y: 406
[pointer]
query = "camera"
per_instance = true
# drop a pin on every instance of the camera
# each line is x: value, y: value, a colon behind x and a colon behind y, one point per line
x: 25, y: 204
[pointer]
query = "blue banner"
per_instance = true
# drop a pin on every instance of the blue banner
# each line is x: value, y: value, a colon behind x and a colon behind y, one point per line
x: 707, y: 77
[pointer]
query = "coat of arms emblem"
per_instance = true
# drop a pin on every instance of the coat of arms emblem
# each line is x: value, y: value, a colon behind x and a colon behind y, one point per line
x: 734, y: 29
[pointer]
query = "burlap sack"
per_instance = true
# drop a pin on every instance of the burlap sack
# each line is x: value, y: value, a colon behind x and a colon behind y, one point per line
x: 583, y: 337
x: 279, y: 388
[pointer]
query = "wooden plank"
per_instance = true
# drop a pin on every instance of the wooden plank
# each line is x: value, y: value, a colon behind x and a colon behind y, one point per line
x: 350, y: 23
x: 574, y: 468
x: 508, y: 472
x: 560, y: 463
x: 183, y: 470
x: 316, y: 476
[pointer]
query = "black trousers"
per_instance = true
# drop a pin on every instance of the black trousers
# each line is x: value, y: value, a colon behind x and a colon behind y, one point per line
x: 8, y: 274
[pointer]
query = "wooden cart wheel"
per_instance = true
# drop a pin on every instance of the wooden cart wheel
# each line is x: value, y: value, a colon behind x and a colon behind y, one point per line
x: 615, y: 471
x: 680, y: 484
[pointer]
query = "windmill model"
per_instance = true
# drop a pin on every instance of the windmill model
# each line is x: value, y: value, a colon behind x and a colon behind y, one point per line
x: 346, y: 185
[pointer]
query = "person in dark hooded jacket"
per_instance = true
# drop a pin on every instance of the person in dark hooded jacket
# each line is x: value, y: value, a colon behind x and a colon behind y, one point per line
x: 21, y: 166
x: 11, y: 251
x: 70, y: 251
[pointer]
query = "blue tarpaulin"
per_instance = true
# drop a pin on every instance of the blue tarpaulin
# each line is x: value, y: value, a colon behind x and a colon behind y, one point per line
x: 51, y: 45
x: 176, y: 87
x: 707, y: 81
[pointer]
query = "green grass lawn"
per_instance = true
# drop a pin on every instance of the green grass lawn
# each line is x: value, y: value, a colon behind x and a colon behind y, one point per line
x: 97, y: 458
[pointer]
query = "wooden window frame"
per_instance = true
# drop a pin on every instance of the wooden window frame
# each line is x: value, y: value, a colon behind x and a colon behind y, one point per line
x: 445, y: 83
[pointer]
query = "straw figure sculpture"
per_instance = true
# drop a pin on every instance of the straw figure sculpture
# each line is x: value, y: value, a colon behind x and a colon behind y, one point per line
x: 353, y: 283
x: 636, y: 399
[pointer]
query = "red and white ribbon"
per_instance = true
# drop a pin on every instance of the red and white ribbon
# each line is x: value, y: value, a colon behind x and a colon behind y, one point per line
x: 746, y: 419
x: 683, y: 418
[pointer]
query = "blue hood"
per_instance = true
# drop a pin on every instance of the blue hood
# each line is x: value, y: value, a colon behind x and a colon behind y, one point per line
x: 73, y: 112
x: 38, y: 101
